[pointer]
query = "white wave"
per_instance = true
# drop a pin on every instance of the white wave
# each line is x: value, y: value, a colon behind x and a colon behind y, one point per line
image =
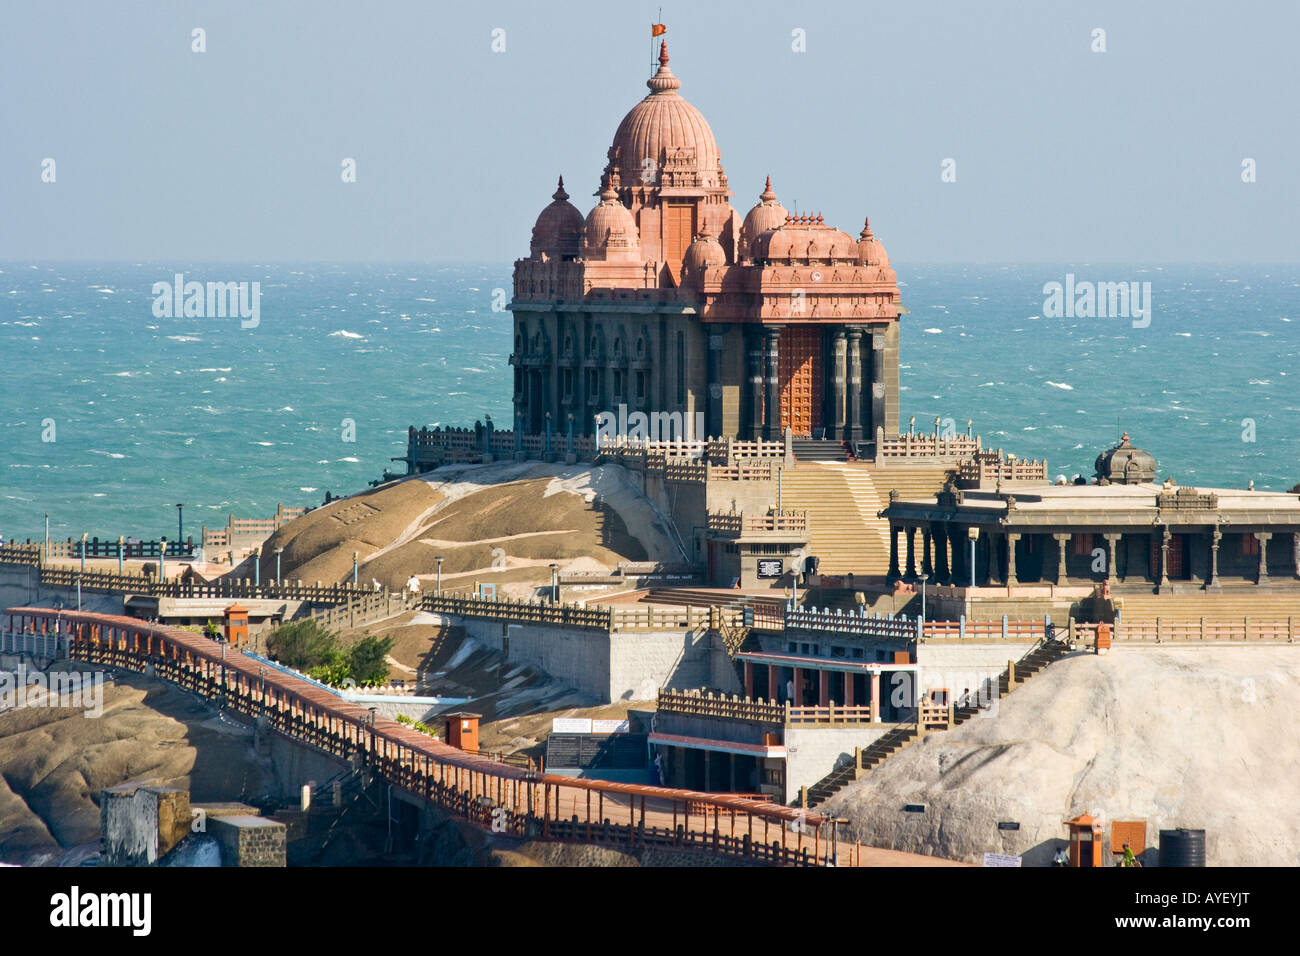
x: 350, y: 459
x: 264, y: 444
x: 1259, y: 381
x: 110, y: 454
x: 345, y: 334
x: 287, y: 408
x: 214, y: 370
x: 306, y: 489
x: 184, y: 338
x: 1062, y: 385
x: 933, y: 331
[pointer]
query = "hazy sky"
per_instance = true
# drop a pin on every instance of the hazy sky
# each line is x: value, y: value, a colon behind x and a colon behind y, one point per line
x: 1062, y: 153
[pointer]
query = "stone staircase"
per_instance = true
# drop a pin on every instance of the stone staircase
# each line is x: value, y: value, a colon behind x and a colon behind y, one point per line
x: 904, y: 735
x: 842, y: 501
x: 1254, y: 602
x: 812, y: 449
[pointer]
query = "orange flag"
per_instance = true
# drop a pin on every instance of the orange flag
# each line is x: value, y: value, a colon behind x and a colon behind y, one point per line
x: 657, y: 29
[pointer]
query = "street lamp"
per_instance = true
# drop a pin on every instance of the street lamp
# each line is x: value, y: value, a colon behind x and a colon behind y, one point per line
x: 47, y: 535
x: 257, y: 567
x: 84, y: 535
x: 162, y: 560
x: 354, y: 569
x: 974, y: 534
x: 439, y: 590
x: 555, y: 584
x: 180, y: 524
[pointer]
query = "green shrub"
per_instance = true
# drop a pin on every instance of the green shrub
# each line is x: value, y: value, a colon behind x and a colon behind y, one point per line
x: 304, y: 645
x: 368, y: 658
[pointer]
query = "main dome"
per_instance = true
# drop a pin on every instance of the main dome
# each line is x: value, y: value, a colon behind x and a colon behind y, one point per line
x: 664, y: 134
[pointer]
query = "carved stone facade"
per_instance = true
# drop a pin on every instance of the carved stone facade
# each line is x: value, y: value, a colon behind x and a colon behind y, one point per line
x: 666, y: 302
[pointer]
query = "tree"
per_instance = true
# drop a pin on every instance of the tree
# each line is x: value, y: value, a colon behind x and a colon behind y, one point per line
x: 304, y: 645
x: 369, y: 659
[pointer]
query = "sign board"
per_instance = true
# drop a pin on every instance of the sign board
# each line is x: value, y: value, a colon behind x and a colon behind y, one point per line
x: 487, y: 592
x: 1008, y: 825
x: 914, y: 808
x: 1000, y: 859
x: 570, y: 725
x: 771, y: 567
x: 610, y: 726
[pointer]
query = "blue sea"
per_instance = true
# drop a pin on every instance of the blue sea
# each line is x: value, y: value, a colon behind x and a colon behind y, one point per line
x: 146, y: 411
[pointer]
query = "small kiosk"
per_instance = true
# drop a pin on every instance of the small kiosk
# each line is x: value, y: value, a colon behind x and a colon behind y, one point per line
x: 236, y: 624
x: 1085, y: 840
x: 462, y: 730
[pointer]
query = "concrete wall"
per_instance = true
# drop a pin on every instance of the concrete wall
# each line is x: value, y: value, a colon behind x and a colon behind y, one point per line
x: 640, y: 662
x: 249, y: 840
x: 813, y: 752
x: 967, y: 665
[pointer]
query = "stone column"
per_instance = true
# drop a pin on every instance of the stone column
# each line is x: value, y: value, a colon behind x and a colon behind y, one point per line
x: 942, y: 572
x: 754, y: 421
x: 848, y: 688
x: 853, y: 395
x: 1262, y: 537
x: 1012, y: 538
x: 797, y: 677
x: 1215, y: 537
x: 990, y: 558
x: 772, y: 429
x: 927, y: 566
x: 823, y: 688
x: 717, y: 341
x: 773, y: 688
x: 875, y: 696
x: 1295, y: 553
x: 910, y: 574
x: 1112, y: 573
x: 1164, y: 558
x: 894, y: 574
x: 1062, y: 542
x: 749, y: 680
x: 839, y: 383
x: 877, y: 381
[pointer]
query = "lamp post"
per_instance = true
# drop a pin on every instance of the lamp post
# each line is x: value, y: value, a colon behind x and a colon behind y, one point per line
x: 180, y: 524
x: 354, y: 569
x: 555, y: 584
x: 257, y: 567
x: 162, y: 560
x: 438, y: 592
x: 84, y: 535
x: 121, y: 546
x: 278, y: 552
x: 47, y: 535
x: 974, y: 534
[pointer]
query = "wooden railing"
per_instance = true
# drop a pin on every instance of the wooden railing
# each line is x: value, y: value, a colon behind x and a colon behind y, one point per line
x: 489, y: 794
x: 568, y: 615
x: 993, y: 466
x: 696, y: 703
x: 1200, y: 631
x: 1000, y: 630
x: 885, y: 628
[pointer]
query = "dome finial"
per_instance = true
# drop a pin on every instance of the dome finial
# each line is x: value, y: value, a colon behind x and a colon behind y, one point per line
x: 560, y: 195
x: 866, y: 228
x: 767, y: 195
x: 663, y: 81
x: 607, y: 192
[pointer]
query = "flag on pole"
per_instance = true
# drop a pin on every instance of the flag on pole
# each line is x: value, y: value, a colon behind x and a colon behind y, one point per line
x: 657, y: 29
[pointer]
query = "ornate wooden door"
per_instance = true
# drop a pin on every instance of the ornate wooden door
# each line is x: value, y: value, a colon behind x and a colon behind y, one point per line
x: 800, y: 376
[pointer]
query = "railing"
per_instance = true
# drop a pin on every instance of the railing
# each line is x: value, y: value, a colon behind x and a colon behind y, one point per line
x: 857, y: 623
x: 654, y: 617
x: 999, y: 630
x: 489, y: 794
x: 1201, y: 631
x: 934, y: 715
x: 364, y: 609
x: 114, y: 583
x: 760, y: 711
x: 27, y: 554
x: 925, y: 446
x: 130, y: 549
x: 993, y: 466
x: 738, y: 524
x: 569, y: 615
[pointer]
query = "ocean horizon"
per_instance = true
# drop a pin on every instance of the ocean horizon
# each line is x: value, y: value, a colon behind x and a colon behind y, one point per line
x: 110, y: 414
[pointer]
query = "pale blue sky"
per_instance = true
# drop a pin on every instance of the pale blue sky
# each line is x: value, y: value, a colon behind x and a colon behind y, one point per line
x: 1132, y: 155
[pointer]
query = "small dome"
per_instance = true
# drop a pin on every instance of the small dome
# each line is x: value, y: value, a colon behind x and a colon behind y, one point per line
x: 558, y: 231
x: 664, y: 129
x: 704, y: 253
x: 803, y: 238
x: 871, y: 252
x: 610, y: 231
x: 1125, y: 464
x: 767, y: 214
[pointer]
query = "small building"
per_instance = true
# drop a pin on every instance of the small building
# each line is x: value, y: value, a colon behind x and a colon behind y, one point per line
x: 1124, y: 528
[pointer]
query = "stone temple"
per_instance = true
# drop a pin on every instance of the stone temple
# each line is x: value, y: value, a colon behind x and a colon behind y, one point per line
x: 665, y: 300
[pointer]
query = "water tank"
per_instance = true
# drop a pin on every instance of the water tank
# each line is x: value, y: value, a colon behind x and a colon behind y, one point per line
x: 1182, y: 847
